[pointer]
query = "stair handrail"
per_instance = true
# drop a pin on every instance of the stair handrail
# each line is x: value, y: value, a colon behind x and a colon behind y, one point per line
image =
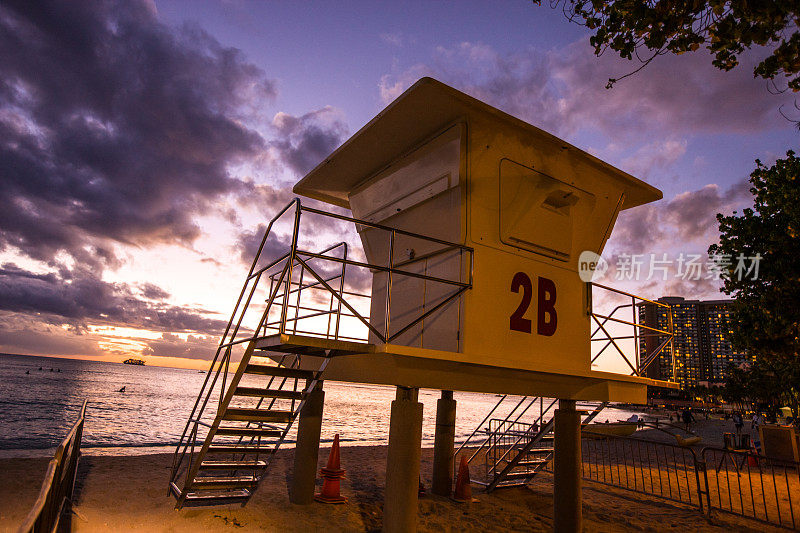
x: 177, y: 461
x: 474, y: 431
x: 640, y: 330
x: 194, y: 415
x: 524, y: 435
x: 498, y: 477
x: 546, y: 428
x: 491, y: 434
x: 296, y: 257
x: 494, y: 434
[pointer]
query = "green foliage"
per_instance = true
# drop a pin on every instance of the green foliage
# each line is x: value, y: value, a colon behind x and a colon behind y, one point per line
x: 765, y: 385
x: 766, y: 310
x: 725, y: 27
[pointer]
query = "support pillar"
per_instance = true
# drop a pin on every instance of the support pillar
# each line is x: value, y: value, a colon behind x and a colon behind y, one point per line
x: 402, y: 464
x: 444, y: 444
x: 567, y: 512
x: 309, y: 426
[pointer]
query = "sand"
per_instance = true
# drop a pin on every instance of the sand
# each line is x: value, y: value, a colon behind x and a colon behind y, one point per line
x: 129, y: 493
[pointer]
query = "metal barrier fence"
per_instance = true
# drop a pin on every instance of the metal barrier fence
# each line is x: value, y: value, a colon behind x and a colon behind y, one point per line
x: 59, y: 482
x: 714, y: 479
x: 665, y: 470
x: 754, y: 486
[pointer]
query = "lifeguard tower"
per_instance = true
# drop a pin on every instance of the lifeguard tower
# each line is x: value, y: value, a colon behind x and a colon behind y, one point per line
x: 472, y: 223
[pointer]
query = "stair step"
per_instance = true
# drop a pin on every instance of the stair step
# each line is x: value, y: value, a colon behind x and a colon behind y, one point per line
x: 234, y: 496
x: 240, y: 449
x: 268, y: 393
x: 519, y: 475
x: 532, y: 462
x: 196, y: 499
x: 279, y: 371
x: 543, y: 440
x: 256, y: 415
x: 248, y: 432
x: 247, y: 464
x: 541, y: 450
x: 503, y: 485
x: 220, y: 483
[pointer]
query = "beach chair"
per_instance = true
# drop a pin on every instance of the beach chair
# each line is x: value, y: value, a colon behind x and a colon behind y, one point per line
x: 732, y: 449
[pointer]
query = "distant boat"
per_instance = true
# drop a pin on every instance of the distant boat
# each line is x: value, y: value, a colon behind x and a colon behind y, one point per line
x: 133, y: 361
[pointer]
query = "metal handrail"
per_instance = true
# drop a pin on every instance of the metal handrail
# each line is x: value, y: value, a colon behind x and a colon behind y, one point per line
x: 286, y: 292
x: 640, y: 331
x: 179, y: 455
x: 59, y: 481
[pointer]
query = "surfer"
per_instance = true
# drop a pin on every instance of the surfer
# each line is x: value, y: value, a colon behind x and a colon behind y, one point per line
x: 122, y: 389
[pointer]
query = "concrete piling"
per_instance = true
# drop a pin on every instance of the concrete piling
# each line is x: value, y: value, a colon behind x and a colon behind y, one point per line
x: 309, y: 426
x: 444, y: 444
x: 567, y: 512
x: 403, y: 462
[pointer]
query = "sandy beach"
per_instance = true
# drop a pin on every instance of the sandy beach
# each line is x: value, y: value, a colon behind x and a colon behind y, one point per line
x: 128, y: 493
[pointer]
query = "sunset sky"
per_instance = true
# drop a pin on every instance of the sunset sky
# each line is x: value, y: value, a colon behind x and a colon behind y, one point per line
x: 142, y: 144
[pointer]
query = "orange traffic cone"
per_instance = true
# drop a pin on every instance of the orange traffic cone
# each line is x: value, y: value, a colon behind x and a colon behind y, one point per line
x: 463, y: 492
x: 333, y: 474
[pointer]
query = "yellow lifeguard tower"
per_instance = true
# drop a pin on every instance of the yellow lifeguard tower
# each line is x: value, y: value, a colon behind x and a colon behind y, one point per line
x: 472, y: 224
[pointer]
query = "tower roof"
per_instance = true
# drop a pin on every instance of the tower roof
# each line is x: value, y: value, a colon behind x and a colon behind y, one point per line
x: 422, y: 110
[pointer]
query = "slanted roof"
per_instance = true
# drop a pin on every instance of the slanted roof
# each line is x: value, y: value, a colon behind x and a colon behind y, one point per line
x: 423, y: 109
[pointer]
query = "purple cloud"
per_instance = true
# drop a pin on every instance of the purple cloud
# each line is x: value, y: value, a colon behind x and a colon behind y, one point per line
x: 303, y: 142
x: 114, y: 127
x: 563, y: 90
x: 80, y: 296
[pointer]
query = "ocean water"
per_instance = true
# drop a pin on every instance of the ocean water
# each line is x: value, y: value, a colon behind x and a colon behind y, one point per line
x: 38, y: 407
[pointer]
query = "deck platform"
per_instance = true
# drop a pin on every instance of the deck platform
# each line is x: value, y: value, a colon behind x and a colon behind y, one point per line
x: 314, y: 346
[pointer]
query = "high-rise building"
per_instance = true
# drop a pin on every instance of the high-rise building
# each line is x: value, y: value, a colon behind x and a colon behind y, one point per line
x: 702, y: 349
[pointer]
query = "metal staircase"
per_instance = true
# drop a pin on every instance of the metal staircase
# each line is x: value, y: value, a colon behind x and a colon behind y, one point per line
x: 245, y: 411
x: 295, y: 311
x: 250, y: 425
x: 515, y: 451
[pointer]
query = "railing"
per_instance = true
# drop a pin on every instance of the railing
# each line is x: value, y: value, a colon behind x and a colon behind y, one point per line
x: 712, y: 479
x: 501, y: 433
x: 664, y: 470
x: 633, y: 331
x: 504, y: 442
x: 507, y: 439
x: 492, y: 435
x: 59, y: 482
x: 753, y: 486
x: 290, y: 290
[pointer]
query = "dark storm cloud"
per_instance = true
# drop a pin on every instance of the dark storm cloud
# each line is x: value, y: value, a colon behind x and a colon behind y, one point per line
x: 306, y: 140
x: 114, y: 127
x: 563, y: 90
x: 194, y: 347
x: 79, y: 296
x: 275, y: 246
x: 688, y: 219
x: 153, y: 292
x: 20, y: 334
